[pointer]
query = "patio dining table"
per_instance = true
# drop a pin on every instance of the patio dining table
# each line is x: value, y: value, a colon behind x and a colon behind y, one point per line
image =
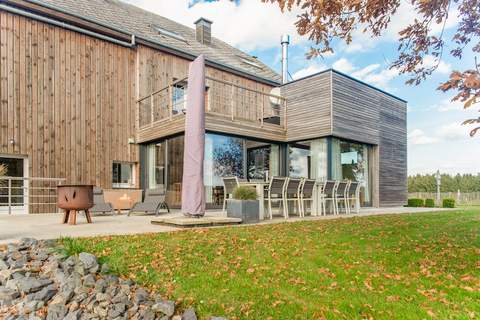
x: 259, y: 187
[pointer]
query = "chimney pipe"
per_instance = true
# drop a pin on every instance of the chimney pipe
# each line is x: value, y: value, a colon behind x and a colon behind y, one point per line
x: 285, y: 41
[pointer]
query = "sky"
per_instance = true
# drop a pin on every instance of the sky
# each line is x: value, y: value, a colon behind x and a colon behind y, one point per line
x: 436, y: 139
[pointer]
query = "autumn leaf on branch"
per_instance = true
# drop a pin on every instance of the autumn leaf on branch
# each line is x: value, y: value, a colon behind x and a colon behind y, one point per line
x: 324, y: 21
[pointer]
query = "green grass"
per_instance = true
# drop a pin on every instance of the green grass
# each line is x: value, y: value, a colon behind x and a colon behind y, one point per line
x: 417, y: 266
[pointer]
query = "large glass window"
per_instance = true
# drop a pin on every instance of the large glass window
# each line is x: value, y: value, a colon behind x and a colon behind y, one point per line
x: 123, y: 175
x: 224, y: 156
x: 350, y: 161
x: 14, y: 168
x: 308, y: 159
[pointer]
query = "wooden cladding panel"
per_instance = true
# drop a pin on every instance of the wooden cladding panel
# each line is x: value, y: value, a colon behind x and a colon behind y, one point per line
x: 67, y: 100
x: 158, y: 69
x: 364, y: 114
x: 308, y: 107
x: 355, y: 110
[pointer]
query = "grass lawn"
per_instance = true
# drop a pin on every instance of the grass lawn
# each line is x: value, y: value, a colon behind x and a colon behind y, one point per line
x: 416, y: 266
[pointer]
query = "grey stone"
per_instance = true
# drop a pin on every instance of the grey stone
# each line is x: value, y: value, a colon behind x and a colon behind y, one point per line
x: 27, y: 307
x: 105, y: 268
x: 140, y: 296
x: 100, y: 285
x: 89, y: 281
x: 8, y: 293
x: 101, y: 297
x: 89, y: 260
x: 146, y: 315
x: 3, y: 265
x: 45, y: 294
x: 102, y: 312
x: 117, y: 310
x: 73, y: 315
x: 56, y: 311
x: 111, y: 279
x: 28, y: 284
x: 167, y: 307
x: 189, y: 314
x: 27, y: 243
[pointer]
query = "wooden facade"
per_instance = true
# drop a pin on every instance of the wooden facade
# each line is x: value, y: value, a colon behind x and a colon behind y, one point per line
x: 333, y: 104
x: 69, y: 104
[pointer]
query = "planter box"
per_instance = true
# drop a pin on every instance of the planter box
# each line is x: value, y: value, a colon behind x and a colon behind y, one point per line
x: 247, y: 210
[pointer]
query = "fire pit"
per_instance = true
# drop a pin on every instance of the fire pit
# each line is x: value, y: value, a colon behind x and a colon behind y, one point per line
x: 74, y: 198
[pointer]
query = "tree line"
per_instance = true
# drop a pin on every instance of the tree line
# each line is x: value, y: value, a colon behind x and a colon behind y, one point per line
x: 449, y: 183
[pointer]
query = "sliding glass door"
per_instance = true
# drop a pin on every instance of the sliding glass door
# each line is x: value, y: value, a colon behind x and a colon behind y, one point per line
x: 308, y: 159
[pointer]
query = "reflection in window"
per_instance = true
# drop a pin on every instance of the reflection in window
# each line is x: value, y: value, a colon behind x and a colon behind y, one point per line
x: 308, y: 159
x: 350, y: 162
x: 156, y: 165
x: 122, y: 175
x: 14, y: 169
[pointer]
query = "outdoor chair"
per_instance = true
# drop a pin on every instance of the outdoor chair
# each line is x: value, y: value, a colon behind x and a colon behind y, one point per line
x: 353, y: 194
x: 275, y: 192
x: 229, y: 185
x: 341, y: 195
x: 328, y: 194
x: 306, y: 194
x: 292, y: 193
x: 152, y: 204
x: 99, y: 204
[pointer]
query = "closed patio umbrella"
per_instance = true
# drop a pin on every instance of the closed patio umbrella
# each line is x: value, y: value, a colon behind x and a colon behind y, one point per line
x: 193, y: 191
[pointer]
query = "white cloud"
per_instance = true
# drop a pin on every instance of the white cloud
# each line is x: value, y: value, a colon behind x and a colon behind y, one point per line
x: 250, y: 25
x: 418, y: 137
x: 404, y: 16
x: 453, y: 132
x: 442, y: 67
x: 446, y: 105
x: 343, y: 65
x: 312, y: 68
x: 370, y: 74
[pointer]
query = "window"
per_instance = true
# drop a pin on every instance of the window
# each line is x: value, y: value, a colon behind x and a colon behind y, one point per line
x: 123, y: 175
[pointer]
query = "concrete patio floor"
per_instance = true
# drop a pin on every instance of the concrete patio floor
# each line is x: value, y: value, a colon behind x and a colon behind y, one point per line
x: 49, y: 226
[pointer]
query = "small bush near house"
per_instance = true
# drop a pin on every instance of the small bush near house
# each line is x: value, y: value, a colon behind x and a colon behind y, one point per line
x: 429, y: 203
x: 245, y: 193
x: 448, y: 203
x: 415, y: 202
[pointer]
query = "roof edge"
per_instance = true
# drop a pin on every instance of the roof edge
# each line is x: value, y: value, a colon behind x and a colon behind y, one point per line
x: 349, y: 77
x: 156, y: 45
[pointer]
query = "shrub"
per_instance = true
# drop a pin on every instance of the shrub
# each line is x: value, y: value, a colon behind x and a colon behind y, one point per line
x: 415, y: 202
x: 448, y: 203
x: 244, y: 193
x: 429, y: 203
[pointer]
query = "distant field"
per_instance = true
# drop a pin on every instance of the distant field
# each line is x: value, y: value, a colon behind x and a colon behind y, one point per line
x: 416, y: 266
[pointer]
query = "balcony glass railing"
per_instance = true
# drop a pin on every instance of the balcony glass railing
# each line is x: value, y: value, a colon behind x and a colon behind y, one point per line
x: 222, y: 99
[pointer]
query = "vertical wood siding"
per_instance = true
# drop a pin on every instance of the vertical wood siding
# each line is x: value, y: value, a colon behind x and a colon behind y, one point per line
x: 364, y: 114
x: 308, y: 107
x: 68, y: 101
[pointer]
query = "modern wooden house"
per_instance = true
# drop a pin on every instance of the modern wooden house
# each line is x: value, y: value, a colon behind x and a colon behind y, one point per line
x: 93, y: 91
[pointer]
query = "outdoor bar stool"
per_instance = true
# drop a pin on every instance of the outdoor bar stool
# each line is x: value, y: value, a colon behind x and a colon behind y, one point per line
x: 275, y: 192
x: 306, y: 194
x: 341, y: 195
x: 353, y: 194
x: 292, y: 193
x: 329, y: 190
x: 229, y: 186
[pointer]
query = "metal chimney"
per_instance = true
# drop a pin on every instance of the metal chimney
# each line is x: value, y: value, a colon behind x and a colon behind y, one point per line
x: 285, y: 41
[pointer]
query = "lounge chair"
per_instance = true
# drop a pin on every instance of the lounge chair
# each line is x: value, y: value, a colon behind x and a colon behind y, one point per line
x: 99, y: 204
x: 152, y: 204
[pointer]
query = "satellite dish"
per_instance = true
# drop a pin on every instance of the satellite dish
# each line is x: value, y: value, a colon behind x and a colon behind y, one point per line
x: 275, y: 101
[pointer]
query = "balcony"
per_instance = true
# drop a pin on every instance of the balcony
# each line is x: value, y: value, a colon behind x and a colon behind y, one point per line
x: 229, y: 108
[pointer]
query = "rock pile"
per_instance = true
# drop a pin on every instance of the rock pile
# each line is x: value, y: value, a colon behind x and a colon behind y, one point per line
x: 36, y: 282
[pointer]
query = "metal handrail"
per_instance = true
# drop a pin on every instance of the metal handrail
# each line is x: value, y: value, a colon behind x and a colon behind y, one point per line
x: 27, y: 190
